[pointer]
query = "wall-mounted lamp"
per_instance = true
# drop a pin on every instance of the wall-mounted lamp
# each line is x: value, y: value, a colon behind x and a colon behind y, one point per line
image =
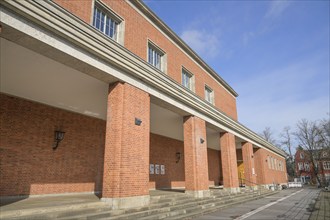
x: 59, y: 135
x: 138, y: 121
x: 178, y: 156
x: 202, y: 140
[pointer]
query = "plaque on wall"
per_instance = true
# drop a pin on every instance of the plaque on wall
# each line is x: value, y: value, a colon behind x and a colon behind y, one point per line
x: 162, y: 169
x: 152, y: 169
x: 156, y: 169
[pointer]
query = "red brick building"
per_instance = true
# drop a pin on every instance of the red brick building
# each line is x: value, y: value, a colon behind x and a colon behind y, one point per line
x: 305, y: 169
x: 139, y: 108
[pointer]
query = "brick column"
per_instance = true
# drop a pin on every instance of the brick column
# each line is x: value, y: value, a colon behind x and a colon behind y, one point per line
x: 248, y: 161
x: 229, y: 162
x: 126, y: 154
x: 261, y: 163
x: 195, y: 157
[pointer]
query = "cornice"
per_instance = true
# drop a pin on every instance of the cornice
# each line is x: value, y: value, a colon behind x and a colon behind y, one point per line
x: 55, y: 19
x: 167, y: 30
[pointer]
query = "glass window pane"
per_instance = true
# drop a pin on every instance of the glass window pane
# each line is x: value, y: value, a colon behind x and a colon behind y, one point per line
x: 102, y: 22
x: 114, y: 29
x: 107, y: 27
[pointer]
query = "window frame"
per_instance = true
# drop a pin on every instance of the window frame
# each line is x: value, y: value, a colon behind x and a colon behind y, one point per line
x: 302, y: 155
x: 300, y: 166
x: 113, y: 16
x: 208, y: 90
x: 151, y: 46
x: 185, y: 72
x: 326, y: 165
x: 307, y: 166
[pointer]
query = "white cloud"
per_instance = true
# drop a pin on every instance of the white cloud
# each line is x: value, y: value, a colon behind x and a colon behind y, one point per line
x: 206, y: 44
x: 283, y: 96
x: 277, y: 8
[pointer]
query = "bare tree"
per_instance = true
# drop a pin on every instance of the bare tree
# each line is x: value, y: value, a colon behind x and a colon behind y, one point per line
x: 287, y: 144
x: 324, y: 127
x: 286, y: 140
x: 310, y: 136
x: 267, y: 134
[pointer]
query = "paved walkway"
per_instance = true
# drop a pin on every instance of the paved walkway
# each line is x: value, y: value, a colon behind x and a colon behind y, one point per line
x: 295, y: 203
x: 322, y: 207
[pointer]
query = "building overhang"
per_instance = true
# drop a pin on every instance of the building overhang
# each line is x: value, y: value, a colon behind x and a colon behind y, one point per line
x: 48, y: 29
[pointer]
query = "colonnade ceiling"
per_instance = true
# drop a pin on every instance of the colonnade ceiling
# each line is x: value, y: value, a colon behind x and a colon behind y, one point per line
x: 30, y: 75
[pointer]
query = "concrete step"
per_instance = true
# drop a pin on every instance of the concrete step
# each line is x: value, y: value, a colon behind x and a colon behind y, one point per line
x: 203, y: 206
x: 170, y: 206
x: 50, y: 211
x: 189, y: 214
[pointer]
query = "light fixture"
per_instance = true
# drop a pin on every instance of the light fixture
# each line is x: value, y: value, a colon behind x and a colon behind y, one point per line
x: 178, y: 156
x: 59, y: 135
x: 202, y: 140
x: 138, y: 121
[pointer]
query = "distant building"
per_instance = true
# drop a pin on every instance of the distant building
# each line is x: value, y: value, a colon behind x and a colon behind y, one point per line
x: 305, y: 169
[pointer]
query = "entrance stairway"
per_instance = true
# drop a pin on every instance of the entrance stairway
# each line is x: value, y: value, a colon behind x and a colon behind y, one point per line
x: 163, y: 205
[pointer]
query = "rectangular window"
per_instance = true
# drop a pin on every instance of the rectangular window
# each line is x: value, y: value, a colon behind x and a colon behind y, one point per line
x: 209, y: 95
x: 156, y: 57
x: 187, y: 79
x: 307, y: 168
x: 107, y: 21
x: 300, y: 166
x: 326, y: 165
x: 302, y: 155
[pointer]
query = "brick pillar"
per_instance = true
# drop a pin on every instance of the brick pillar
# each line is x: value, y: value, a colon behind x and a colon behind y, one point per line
x: 249, y: 167
x: 126, y: 154
x: 195, y: 157
x: 261, y: 163
x: 229, y: 162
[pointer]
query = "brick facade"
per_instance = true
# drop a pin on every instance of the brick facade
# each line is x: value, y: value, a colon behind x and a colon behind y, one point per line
x: 229, y: 160
x: 249, y: 166
x: 126, y: 154
x: 163, y: 152
x: 305, y: 170
x: 267, y: 174
x: 195, y: 154
x: 214, y: 167
x: 136, y: 41
x: 112, y: 156
x: 29, y: 165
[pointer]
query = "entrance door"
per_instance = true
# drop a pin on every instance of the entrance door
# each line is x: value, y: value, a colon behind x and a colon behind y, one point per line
x: 240, y: 169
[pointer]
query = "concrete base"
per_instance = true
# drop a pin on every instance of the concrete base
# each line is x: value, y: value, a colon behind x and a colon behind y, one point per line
x: 198, y: 193
x: 233, y: 189
x: 252, y: 187
x: 127, y: 202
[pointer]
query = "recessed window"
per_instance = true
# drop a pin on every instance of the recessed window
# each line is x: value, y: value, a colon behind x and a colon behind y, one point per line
x: 302, y: 155
x: 300, y: 166
x: 325, y: 154
x: 326, y: 165
x: 307, y: 167
x: 106, y: 21
x: 156, y: 57
x: 209, y: 95
x: 187, y: 79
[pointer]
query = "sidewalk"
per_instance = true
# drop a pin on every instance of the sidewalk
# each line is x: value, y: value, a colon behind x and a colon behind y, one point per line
x: 322, y: 207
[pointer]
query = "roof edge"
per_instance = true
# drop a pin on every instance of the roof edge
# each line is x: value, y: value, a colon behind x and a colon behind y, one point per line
x: 167, y: 30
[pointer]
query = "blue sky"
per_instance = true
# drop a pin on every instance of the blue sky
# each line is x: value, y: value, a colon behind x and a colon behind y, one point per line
x: 275, y: 54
